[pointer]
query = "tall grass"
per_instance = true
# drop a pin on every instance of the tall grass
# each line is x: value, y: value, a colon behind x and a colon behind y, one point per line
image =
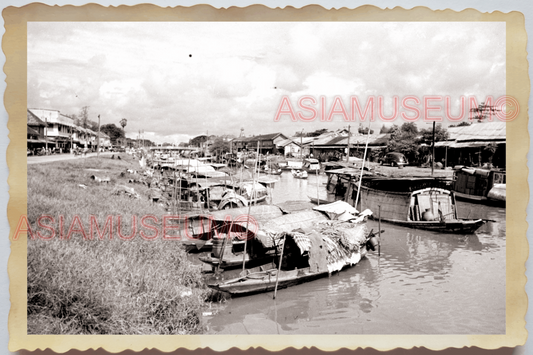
x: 82, y: 286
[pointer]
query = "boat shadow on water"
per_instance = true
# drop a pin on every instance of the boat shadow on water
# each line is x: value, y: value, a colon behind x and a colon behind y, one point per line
x: 304, y: 308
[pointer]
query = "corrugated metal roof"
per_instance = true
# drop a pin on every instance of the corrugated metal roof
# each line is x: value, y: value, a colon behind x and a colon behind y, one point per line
x: 286, y: 142
x: 266, y: 137
x: 338, y: 141
x: 323, y: 140
x: 52, y: 116
x: 475, y: 135
x: 486, y: 131
x: 379, y: 139
x: 472, y: 144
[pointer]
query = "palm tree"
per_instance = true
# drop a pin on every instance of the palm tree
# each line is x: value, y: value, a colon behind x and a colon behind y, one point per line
x: 123, y: 123
x: 491, y: 148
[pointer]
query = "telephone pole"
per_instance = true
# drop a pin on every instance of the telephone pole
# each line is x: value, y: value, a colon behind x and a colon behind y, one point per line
x: 98, y: 139
x: 348, y: 149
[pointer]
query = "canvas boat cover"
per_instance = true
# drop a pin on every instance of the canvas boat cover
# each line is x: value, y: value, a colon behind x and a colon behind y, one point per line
x: 299, y: 220
x: 273, y: 230
x: 336, y: 209
x: 332, y: 245
x: 261, y: 213
x: 295, y: 206
x: 498, y: 192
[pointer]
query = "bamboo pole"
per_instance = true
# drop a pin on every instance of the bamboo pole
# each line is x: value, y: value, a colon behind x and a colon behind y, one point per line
x: 362, y: 168
x: 207, y: 193
x: 187, y: 177
x: 248, y: 216
x: 179, y: 198
x: 224, y: 246
x: 98, y: 140
x: 433, y: 150
x: 379, y: 228
x: 256, y: 174
x: 279, y: 267
x: 174, y: 197
x: 348, y: 146
x: 199, y: 195
x: 317, y: 195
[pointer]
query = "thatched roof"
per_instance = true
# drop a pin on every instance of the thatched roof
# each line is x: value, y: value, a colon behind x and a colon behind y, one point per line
x: 33, y: 120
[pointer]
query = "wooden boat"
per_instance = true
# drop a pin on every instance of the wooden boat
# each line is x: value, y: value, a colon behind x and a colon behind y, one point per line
x: 421, y: 203
x: 480, y: 185
x: 228, y: 246
x: 303, y: 254
x: 286, y: 275
x: 311, y: 165
x: 333, y: 165
x: 202, y: 228
x: 234, y: 261
x: 318, y: 200
x: 299, y: 174
x: 271, y: 168
x: 291, y: 164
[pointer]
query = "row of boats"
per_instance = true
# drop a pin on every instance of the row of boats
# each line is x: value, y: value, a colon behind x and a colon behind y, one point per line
x: 417, y: 202
x: 284, y: 247
x: 276, y: 246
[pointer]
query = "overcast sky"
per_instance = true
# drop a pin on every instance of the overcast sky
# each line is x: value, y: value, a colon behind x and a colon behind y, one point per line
x: 179, y: 80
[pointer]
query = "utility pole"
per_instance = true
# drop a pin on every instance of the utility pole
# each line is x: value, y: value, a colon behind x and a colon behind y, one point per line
x: 348, y: 149
x: 46, y: 133
x: 98, y: 139
x: 301, y: 144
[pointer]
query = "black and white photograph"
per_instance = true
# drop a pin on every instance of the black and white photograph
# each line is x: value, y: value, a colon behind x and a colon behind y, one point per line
x: 266, y: 178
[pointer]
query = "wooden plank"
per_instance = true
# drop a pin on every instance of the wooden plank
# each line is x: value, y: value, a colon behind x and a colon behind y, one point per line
x: 445, y: 206
x: 424, y: 203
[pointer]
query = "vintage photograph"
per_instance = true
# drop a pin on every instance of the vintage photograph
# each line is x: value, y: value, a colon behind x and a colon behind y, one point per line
x: 266, y: 178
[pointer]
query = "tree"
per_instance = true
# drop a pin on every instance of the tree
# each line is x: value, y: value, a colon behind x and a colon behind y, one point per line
x: 384, y: 129
x: 410, y: 128
x: 83, y: 117
x: 364, y: 131
x: 112, y: 131
x: 404, y: 140
x: 197, y: 141
x: 92, y: 125
x: 441, y: 134
x: 123, y: 123
x: 219, y: 147
x: 491, y: 148
x: 316, y: 133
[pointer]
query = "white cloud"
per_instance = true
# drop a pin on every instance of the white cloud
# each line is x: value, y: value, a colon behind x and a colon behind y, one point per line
x: 187, y: 78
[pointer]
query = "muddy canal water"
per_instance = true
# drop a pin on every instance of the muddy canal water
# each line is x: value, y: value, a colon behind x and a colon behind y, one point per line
x: 423, y: 283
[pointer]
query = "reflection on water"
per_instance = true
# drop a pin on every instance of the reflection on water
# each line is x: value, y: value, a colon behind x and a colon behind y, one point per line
x: 423, y: 283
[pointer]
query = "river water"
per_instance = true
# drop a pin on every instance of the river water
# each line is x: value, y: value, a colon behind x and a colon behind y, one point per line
x: 422, y: 283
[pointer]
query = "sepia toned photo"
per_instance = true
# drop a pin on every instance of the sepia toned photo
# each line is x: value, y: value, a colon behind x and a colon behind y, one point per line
x: 250, y: 178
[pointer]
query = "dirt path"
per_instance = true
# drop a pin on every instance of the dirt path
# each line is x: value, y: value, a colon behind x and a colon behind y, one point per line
x: 34, y: 159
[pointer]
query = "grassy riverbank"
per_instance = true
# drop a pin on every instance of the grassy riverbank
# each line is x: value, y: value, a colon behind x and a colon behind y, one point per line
x: 83, y: 286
